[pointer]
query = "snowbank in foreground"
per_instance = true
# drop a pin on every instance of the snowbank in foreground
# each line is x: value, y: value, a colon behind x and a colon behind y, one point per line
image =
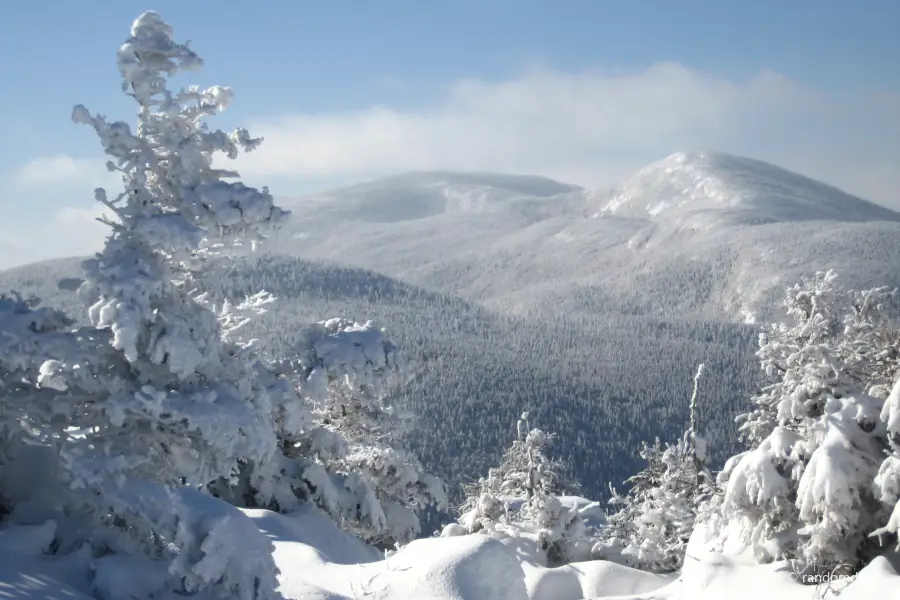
x: 713, y: 576
x: 318, y: 561
x: 594, y: 579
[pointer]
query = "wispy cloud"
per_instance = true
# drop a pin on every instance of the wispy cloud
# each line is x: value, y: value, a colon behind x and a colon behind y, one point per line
x: 589, y: 127
x: 65, y: 169
x: 70, y: 231
x: 49, y: 208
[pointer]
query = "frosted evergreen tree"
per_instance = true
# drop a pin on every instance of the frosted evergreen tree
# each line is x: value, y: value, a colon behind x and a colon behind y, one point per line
x: 346, y: 454
x: 887, y: 481
x: 525, y: 491
x: 525, y: 469
x: 653, y: 521
x: 793, y: 356
x: 151, y: 402
x: 809, y: 487
x: 207, y: 401
x: 32, y: 338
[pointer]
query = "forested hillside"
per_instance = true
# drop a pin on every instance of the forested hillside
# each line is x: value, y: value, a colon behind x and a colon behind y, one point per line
x: 608, y: 381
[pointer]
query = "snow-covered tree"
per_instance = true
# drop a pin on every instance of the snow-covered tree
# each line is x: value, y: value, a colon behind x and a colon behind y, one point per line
x: 524, y: 469
x: 524, y: 491
x: 835, y: 341
x: 654, y: 519
x: 793, y: 356
x: 346, y: 369
x: 31, y: 339
x: 204, y: 403
x: 815, y: 482
x: 151, y: 397
x: 339, y: 444
x: 887, y: 481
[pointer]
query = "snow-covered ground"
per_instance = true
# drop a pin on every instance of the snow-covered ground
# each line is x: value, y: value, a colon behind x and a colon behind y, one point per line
x: 318, y: 561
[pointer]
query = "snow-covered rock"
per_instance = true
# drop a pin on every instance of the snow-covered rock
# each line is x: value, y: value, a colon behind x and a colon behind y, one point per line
x: 473, y: 567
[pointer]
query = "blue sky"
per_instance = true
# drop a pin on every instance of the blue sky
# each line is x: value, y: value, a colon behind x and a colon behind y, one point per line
x: 583, y: 91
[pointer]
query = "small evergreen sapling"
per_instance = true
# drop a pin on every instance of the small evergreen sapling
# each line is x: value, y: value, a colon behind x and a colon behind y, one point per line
x: 524, y: 492
x: 654, y: 519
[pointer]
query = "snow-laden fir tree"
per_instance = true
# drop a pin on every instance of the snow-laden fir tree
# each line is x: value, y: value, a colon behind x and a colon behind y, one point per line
x: 887, y: 481
x: 207, y: 402
x: 151, y: 402
x: 30, y: 338
x: 810, y: 487
x: 345, y: 454
x: 653, y: 521
x: 794, y: 357
x: 160, y: 401
x: 525, y: 467
x: 524, y: 491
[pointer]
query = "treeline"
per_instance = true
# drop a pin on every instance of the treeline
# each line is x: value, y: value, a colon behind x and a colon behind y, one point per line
x: 606, y: 382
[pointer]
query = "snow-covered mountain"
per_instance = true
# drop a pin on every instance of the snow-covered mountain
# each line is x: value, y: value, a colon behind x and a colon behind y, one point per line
x: 707, y: 233
x: 736, y: 189
x: 420, y: 195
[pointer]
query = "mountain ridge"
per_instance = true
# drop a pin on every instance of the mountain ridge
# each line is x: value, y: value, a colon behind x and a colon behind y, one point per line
x: 737, y: 189
x: 716, y: 181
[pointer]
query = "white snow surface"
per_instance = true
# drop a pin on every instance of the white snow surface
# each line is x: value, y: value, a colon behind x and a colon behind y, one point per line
x: 318, y: 561
x: 420, y: 195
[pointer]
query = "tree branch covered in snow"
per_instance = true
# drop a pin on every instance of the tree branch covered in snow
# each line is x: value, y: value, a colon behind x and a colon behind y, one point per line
x: 340, y: 447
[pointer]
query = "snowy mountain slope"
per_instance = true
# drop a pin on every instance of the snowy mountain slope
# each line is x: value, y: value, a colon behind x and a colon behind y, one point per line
x: 716, y: 234
x: 547, y: 310
x: 731, y: 273
x: 486, y: 297
x: 742, y: 190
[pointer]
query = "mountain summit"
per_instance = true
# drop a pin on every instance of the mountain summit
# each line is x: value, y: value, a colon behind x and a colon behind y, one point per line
x: 415, y: 196
x: 712, y: 187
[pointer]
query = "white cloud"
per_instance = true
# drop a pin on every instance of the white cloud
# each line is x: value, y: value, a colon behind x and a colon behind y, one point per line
x: 70, y: 231
x: 589, y: 128
x: 49, y: 209
x: 65, y: 169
